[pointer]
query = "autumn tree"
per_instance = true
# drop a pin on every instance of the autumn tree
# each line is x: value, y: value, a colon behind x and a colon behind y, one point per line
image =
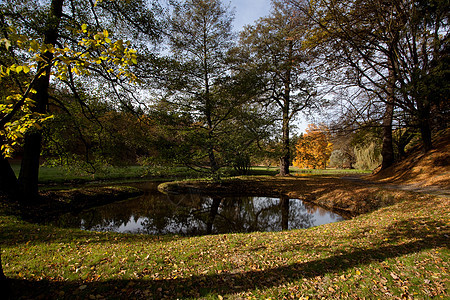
x: 313, y: 149
x: 273, y: 48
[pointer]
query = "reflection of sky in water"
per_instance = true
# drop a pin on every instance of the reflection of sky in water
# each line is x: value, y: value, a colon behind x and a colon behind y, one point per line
x: 193, y: 215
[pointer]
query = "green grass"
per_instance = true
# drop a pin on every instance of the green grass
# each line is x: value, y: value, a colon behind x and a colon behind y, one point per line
x: 59, y: 175
x: 396, y: 252
x: 48, y: 174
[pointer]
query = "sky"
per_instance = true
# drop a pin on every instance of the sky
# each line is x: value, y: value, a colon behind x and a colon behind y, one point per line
x: 248, y: 11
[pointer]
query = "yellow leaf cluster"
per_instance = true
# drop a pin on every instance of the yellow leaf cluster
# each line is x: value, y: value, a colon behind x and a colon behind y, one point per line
x: 96, y: 50
x: 14, y: 131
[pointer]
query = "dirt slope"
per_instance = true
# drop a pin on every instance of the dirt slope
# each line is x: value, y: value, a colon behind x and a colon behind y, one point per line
x: 422, y: 169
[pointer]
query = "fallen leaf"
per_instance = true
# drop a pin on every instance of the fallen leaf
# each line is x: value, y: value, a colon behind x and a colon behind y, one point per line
x: 394, y: 276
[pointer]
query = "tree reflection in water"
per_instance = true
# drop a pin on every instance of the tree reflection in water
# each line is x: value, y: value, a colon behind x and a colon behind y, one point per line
x: 155, y: 213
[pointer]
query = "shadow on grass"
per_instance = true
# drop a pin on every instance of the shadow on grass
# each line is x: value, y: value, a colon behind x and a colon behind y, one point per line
x: 33, y: 234
x: 230, y: 283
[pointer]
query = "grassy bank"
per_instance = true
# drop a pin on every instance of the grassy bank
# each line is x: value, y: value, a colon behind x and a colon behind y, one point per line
x: 400, y: 251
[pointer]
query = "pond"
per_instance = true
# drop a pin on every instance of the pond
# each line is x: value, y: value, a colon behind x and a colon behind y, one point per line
x: 191, y: 214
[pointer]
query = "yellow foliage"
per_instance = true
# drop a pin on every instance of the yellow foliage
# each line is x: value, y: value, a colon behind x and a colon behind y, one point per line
x: 116, y: 57
x: 313, y: 149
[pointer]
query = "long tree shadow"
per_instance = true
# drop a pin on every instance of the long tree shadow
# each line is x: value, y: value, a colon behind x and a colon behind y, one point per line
x: 230, y: 283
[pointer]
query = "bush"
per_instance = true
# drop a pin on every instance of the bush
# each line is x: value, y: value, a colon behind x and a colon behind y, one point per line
x: 337, y: 159
x: 368, y: 157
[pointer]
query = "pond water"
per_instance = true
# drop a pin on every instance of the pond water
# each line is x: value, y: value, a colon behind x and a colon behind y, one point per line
x: 190, y: 214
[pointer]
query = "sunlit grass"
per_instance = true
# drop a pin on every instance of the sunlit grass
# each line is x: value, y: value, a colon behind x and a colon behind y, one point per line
x: 399, y: 251
x: 261, y: 170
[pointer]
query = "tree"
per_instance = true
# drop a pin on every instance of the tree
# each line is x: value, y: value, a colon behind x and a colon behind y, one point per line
x: 313, y: 148
x: 28, y: 177
x: 63, y: 50
x: 106, y: 136
x: 273, y: 49
x: 42, y: 48
x: 200, y: 36
x: 346, y: 33
x: 389, y: 49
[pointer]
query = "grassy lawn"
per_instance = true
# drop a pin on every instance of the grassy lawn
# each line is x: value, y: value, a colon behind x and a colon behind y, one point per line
x: 49, y: 174
x: 59, y: 175
x: 400, y: 252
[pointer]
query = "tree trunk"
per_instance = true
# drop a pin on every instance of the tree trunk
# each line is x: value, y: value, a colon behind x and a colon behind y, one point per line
x: 8, y: 180
x: 29, y: 170
x: 403, y: 141
x: 286, y: 151
x: 387, y: 150
x: 28, y: 178
x: 424, y: 112
x: 284, y: 165
x: 208, y: 112
x: 212, y: 214
x: 212, y: 161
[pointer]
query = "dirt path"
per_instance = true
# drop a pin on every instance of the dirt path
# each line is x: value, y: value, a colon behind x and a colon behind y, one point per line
x: 417, y: 188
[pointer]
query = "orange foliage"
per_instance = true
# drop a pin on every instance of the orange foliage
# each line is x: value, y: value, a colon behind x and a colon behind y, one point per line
x: 313, y: 149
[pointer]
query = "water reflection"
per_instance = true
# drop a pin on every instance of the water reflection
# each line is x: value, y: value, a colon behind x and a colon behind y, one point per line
x: 155, y: 213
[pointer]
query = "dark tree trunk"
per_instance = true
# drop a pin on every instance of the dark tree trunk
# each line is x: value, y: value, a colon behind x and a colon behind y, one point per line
x: 8, y: 180
x: 403, y: 141
x: 285, y: 158
x: 424, y: 125
x: 208, y: 114
x: 286, y: 150
x: 212, y: 161
x: 387, y: 150
x: 28, y: 178
x: 284, y: 165
x: 29, y: 170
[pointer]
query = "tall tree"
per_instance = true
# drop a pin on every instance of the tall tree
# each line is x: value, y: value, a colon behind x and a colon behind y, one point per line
x: 388, y: 49
x: 273, y: 47
x: 29, y: 171
x: 200, y: 36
